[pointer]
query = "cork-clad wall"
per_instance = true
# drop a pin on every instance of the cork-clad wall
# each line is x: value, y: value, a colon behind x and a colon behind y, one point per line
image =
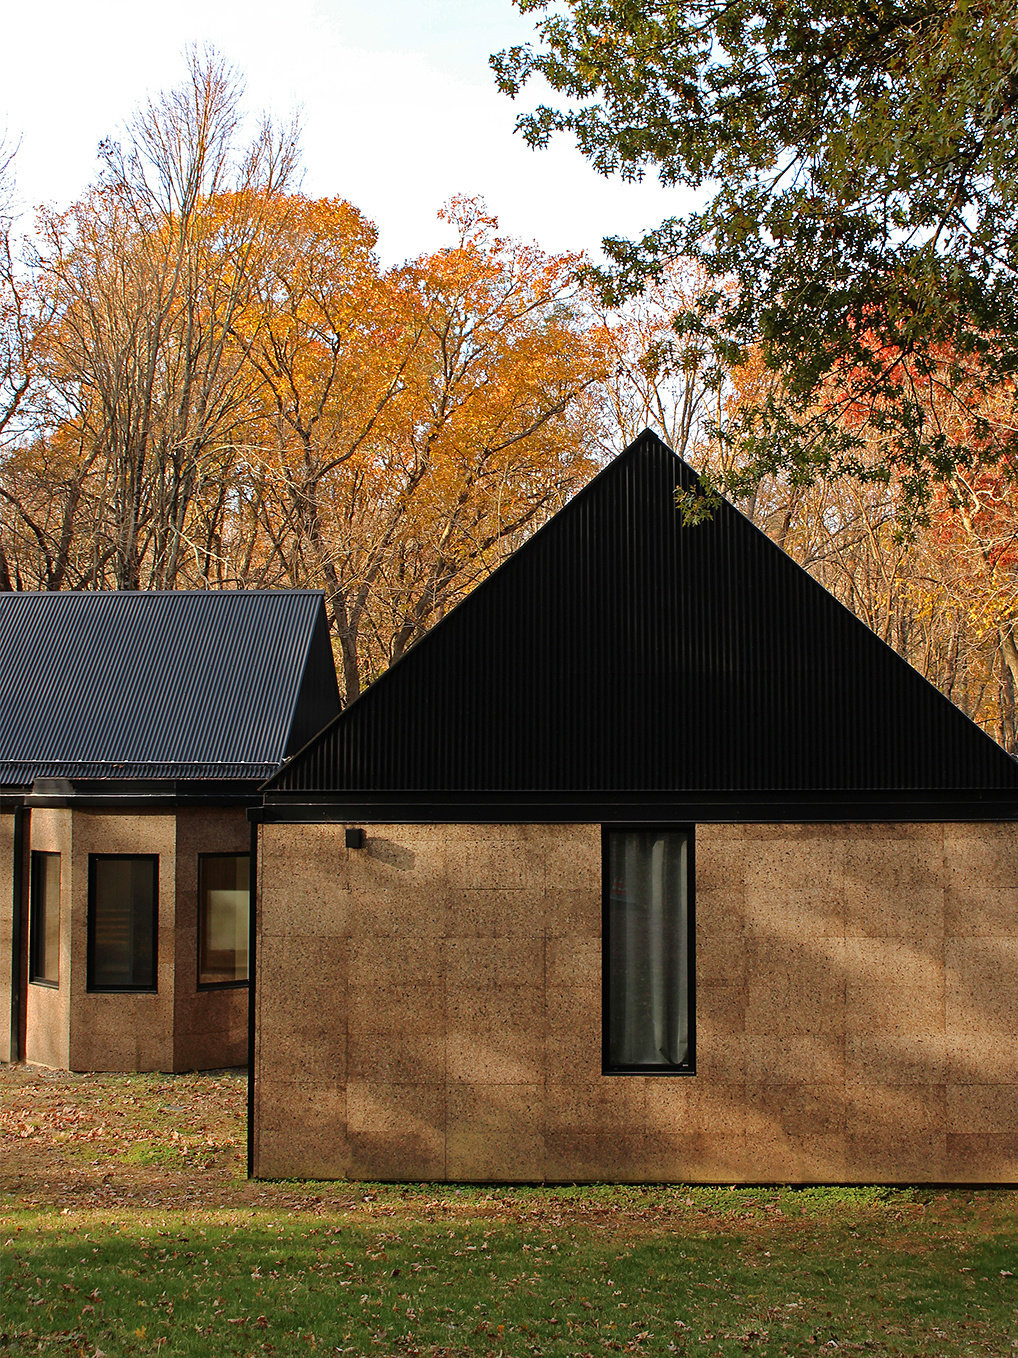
x: 179, y: 1027
x: 429, y: 1007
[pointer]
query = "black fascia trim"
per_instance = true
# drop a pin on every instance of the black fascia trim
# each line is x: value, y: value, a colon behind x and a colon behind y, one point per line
x: 220, y: 985
x: 647, y: 810
x: 19, y: 924
x: 252, y: 958
x: 58, y: 793
x: 688, y: 1068
x: 90, y: 988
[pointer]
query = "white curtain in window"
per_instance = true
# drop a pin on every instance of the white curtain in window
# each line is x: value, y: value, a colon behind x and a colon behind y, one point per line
x: 648, y: 948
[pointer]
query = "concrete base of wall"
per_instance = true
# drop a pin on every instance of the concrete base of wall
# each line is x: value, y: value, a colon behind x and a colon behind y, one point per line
x: 429, y: 1007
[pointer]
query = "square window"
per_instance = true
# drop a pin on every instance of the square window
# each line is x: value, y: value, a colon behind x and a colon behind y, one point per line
x: 44, y: 919
x: 122, y: 921
x: 224, y: 906
x: 648, y: 952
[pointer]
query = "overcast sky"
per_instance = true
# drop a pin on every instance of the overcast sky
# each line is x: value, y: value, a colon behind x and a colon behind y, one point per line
x: 397, y: 103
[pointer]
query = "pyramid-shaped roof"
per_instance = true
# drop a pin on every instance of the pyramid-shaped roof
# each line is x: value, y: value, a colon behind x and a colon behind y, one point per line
x: 619, y: 654
x: 186, y: 685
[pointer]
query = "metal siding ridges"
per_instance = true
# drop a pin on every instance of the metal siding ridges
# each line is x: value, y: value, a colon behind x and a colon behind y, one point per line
x: 618, y: 651
x: 183, y: 684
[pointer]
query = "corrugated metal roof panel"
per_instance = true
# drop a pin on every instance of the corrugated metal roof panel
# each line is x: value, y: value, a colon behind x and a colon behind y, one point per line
x: 619, y: 651
x: 182, y: 684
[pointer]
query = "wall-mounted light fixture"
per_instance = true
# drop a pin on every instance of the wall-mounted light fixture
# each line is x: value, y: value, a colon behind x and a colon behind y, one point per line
x: 354, y: 838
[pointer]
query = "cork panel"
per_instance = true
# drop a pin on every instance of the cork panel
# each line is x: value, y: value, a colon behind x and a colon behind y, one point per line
x: 572, y: 912
x: 976, y: 911
x: 980, y: 994
x: 891, y: 976
x: 796, y: 988
x: 6, y: 923
x: 495, y: 1037
x: 685, y: 1157
x: 494, y: 1132
x: 795, y: 858
x: 904, y: 1113
x: 302, y: 875
x: 390, y: 962
x: 720, y: 940
x: 721, y: 857
x: 799, y: 1157
x: 795, y: 1111
x: 794, y: 914
x: 398, y: 882
x: 808, y: 1058
x: 48, y: 1011
x: 494, y: 964
x: 981, y: 1058
x: 625, y: 1155
x: 396, y: 1132
x: 606, y: 1103
x: 211, y: 1049
x: 572, y: 1026
x: 895, y: 912
x: 983, y: 855
x: 493, y: 914
x: 303, y: 1008
x: 320, y: 1151
x: 891, y: 1159
x: 572, y: 859
x: 983, y: 1108
x: 981, y: 1158
x: 210, y: 1010
x: 103, y: 1027
x: 889, y: 1057
x: 572, y: 962
x: 721, y: 1038
x: 680, y: 1105
x: 882, y: 860
x: 494, y: 858
x: 122, y: 1032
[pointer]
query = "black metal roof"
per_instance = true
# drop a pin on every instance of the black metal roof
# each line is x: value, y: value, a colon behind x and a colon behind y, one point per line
x: 182, y: 685
x: 620, y: 652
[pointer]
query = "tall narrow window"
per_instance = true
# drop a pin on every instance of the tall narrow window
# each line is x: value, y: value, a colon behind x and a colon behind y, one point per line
x: 648, y: 951
x: 122, y: 919
x: 44, y: 919
x: 224, y: 900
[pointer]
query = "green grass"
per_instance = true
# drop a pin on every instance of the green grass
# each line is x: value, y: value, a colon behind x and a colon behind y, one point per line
x: 522, y: 1271
x: 127, y: 1228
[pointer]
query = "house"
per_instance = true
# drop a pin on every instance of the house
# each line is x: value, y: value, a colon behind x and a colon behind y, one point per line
x: 136, y: 729
x: 650, y: 862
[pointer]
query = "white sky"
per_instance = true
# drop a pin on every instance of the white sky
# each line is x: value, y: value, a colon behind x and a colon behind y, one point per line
x: 398, y: 106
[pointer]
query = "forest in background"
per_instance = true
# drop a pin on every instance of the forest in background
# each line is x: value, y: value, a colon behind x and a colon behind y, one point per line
x: 208, y: 381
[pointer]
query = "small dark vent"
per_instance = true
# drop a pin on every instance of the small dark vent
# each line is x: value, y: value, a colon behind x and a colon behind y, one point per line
x: 619, y: 651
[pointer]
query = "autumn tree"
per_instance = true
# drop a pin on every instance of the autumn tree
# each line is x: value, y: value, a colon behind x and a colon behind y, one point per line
x: 855, y: 188
x: 148, y: 273
x: 415, y: 421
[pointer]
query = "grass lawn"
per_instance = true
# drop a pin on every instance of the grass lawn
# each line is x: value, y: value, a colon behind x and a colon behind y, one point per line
x: 127, y: 1227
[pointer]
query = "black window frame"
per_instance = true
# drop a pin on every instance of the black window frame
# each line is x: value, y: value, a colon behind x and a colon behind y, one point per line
x: 34, y: 930
x: 221, y: 985
x: 91, y: 987
x: 688, y: 1067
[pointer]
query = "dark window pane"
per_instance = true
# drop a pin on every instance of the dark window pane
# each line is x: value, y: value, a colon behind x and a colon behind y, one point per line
x: 648, y: 949
x: 122, y: 921
x: 224, y: 898
x: 44, y: 907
